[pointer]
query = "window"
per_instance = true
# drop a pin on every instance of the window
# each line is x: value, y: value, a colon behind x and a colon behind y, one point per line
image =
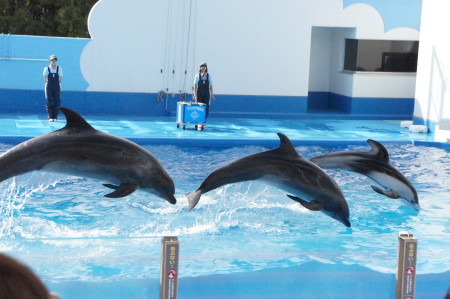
x: 380, y: 55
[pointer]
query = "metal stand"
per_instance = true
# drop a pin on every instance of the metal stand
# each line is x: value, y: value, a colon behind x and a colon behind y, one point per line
x: 406, y: 270
x: 170, y: 248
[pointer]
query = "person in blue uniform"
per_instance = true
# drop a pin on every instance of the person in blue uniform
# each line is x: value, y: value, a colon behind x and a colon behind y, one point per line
x: 203, y: 87
x: 53, y: 75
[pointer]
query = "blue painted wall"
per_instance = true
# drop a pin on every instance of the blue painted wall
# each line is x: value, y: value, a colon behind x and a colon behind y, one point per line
x: 258, y: 106
x: 87, y: 103
x: 370, y: 108
x: 148, y: 104
x: 23, y: 58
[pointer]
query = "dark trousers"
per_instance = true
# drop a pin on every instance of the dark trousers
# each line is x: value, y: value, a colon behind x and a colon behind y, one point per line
x: 204, y: 97
x: 53, y: 98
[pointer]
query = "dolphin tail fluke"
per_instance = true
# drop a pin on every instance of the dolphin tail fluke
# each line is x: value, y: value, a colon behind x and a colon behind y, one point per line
x: 193, y: 198
x: 121, y: 191
x: 312, y: 206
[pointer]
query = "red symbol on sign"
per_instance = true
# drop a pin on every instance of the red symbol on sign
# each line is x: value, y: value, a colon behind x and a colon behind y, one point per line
x: 171, y: 274
x: 410, y: 270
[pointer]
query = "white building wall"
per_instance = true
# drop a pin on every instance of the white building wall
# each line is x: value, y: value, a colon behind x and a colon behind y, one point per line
x: 384, y: 85
x: 341, y: 82
x: 255, y: 47
x: 320, y: 59
x: 433, y: 74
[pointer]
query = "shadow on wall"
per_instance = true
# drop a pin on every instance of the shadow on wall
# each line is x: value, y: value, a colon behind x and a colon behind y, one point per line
x: 437, y: 90
x: 435, y: 111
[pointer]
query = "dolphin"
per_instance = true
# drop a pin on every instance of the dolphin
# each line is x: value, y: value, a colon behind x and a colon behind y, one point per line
x: 79, y: 149
x: 375, y: 165
x: 284, y: 168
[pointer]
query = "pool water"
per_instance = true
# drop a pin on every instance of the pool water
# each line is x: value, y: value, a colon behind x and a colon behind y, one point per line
x: 68, y: 232
x: 220, y: 131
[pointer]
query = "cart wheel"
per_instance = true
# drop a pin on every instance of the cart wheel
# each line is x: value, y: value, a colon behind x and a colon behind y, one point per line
x: 203, y: 128
x: 196, y: 127
x: 184, y: 127
x: 178, y: 126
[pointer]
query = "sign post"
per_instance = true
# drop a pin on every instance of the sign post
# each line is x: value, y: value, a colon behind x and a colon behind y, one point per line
x: 170, y: 247
x: 406, y: 269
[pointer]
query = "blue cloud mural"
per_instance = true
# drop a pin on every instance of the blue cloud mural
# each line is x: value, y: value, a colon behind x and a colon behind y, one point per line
x: 395, y: 13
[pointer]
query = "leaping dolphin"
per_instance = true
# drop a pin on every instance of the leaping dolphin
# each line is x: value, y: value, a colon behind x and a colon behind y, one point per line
x: 286, y: 169
x: 375, y: 165
x: 79, y: 149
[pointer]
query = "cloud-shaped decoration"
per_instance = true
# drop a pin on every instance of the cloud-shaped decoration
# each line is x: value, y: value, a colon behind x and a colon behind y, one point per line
x: 366, y: 20
x: 133, y: 40
x: 127, y: 45
x: 398, y: 13
x: 370, y: 25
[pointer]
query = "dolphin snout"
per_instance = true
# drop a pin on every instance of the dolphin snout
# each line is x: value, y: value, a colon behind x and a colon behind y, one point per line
x: 346, y: 222
x: 416, y: 206
x: 170, y: 198
x: 341, y: 215
x: 342, y: 219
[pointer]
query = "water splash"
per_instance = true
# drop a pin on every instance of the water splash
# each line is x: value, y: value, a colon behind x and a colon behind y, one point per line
x: 240, y: 227
x: 12, y: 201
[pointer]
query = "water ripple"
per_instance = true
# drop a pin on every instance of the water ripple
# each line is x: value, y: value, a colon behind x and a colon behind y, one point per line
x: 245, y: 226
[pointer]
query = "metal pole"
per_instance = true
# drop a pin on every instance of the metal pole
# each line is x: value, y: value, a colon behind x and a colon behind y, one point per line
x: 170, y: 247
x: 406, y: 269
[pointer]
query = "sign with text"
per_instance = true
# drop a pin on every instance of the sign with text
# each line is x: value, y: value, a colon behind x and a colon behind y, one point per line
x: 406, y: 270
x: 170, y: 249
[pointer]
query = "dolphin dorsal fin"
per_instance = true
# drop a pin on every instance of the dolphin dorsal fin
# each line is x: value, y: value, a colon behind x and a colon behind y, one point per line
x: 378, y: 150
x: 74, y: 120
x: 286, y: 146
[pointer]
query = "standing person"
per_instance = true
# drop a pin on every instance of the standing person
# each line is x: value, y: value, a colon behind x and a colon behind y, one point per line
x: 53, y: 75
x: 203, y: 87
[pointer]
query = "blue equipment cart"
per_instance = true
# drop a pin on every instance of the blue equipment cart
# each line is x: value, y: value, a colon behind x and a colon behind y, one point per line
x: 191, y: 113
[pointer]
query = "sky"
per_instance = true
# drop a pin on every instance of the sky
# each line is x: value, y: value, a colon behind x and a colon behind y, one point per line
x: 395, y: 13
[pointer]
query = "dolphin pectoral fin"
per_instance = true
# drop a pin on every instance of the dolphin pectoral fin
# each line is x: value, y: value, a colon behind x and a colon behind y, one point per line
x: 312, y: 205
x: 297, y: 199
x: 111, y: 186
x: 388, y: 193
x: 193, y: 198
x: 121, y: 191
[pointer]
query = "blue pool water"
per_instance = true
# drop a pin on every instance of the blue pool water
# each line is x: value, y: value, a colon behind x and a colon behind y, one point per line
x: 220, y: 131
x: 244, y: 240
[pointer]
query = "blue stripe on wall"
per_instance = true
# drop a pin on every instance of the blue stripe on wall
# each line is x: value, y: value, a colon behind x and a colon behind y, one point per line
x: 328, y: 102
x: 340, y: 103
x: 255, y: 106
x: 22, y: 101
x: 87, y: 103
x: 148, y: 104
